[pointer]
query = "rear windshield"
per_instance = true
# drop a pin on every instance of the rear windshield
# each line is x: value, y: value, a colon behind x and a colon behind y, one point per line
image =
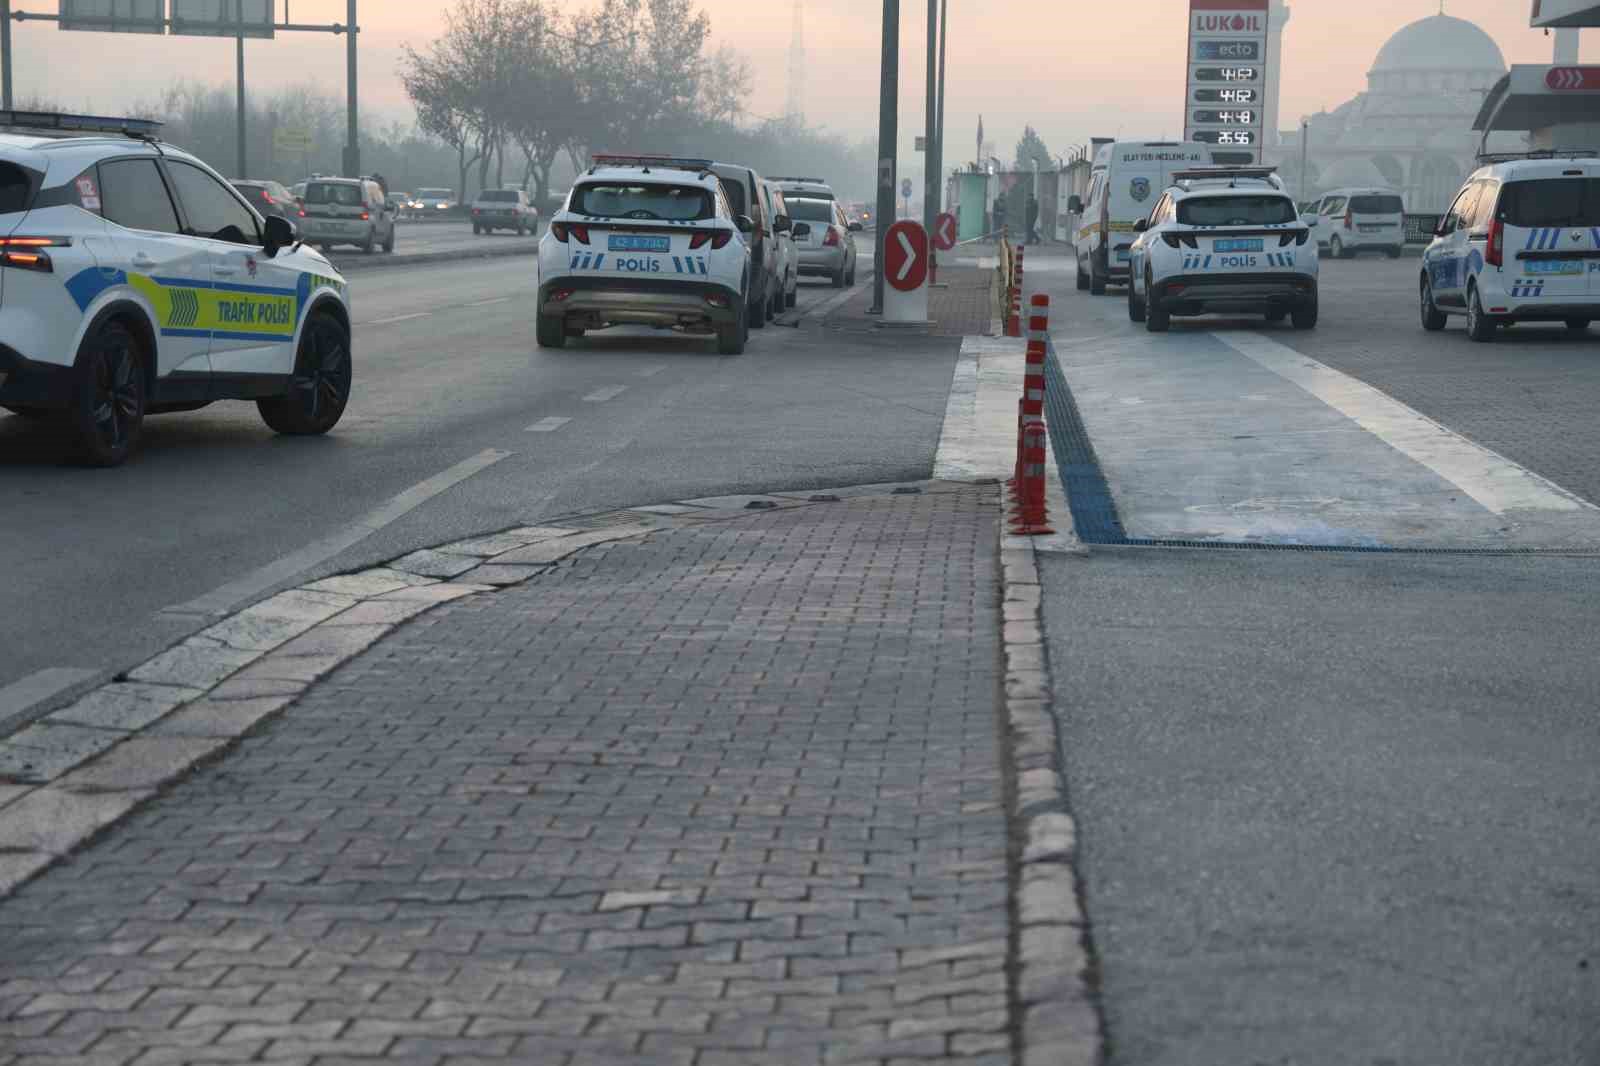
x: 814, y: 193
x: 327, y: 192
x: 1376, y: 205
x: 677, y: 203
x: 735, y: 193
x: 499, y: 196
x: 811, y: 210
x: 434, y: 194
x: 14, y: 186
x: 1236, y: 211
x: 1558, y: 202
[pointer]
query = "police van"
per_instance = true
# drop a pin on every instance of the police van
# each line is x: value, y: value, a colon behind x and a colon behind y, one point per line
x: 1125, y: 181
x: 135, y: 280
x: 1520, y: 243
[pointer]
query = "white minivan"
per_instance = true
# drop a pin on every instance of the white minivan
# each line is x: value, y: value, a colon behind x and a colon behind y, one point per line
x: 1359, y: 220
x: 1126, y: 180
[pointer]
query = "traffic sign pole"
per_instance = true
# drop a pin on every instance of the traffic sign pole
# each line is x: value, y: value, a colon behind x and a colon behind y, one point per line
x: 888, y: 134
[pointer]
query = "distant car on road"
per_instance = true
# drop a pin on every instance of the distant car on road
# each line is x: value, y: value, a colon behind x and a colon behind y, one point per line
x: 1223, y: 239
x: 139, y: 281
x: 647, y: 240
x: 788, y: 293
x: 811, y: 188
x: 433, y: 202
x: 504, y: 209
x: 1358, y: 220
x: 268, y: 198
x: 1520, y: 243
x: 347, y: 211
x: 825, y: 238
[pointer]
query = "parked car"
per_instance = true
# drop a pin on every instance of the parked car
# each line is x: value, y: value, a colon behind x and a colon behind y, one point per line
x: 788, y: 291
x: 269, y: 198
x: 1359, y: 220
x: 825, y: 238
x: 742, y: 186
x: 347, y: 211
x: 504, y: 209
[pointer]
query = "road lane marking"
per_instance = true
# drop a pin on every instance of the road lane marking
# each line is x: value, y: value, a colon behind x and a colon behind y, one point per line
x: 1491, y: 479
x: 547, y: 425
x: 610, y: 392
x: 17, y: 697
x: 397, y: 318
x: 487, y: 303
x: 280, y: 571
x: 652, y: 371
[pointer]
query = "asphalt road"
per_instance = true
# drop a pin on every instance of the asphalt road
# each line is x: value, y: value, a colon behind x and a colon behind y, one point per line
x: 417, y: 238
x: 217, y: 511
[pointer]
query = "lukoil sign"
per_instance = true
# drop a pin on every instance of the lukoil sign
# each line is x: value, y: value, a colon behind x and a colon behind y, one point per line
x: 1239, y: 22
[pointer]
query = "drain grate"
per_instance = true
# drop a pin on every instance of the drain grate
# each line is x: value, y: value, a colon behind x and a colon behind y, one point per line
x: 601, y: 521
x: 1094, y: 510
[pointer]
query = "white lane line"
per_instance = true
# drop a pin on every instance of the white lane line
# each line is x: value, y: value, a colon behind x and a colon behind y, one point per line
x: 17, y: 697
x: 652, y: 371
x: 610, y: 392
x: 397, y: 318
x: 487, y: 303
x: 547, y: 425
x: 1491, y: 479
x: 251, y: 585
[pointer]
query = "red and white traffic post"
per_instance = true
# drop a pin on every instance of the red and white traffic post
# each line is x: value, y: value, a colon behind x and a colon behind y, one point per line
x: 1030, y: 515
x: 905, y: 273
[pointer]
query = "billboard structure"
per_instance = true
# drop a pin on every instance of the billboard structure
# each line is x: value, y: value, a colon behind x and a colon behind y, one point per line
x: 114, y: 16
x: 223, y: 18
x: 1224, y: 100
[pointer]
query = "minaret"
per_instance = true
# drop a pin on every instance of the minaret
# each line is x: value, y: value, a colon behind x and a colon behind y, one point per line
x: 1278, y: 18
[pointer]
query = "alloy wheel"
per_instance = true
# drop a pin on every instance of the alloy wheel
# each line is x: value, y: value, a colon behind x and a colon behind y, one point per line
x: 324, y: 381
x: 118, y: 398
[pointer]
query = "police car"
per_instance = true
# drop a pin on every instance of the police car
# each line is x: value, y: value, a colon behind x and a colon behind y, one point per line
x: 646, y: 240
x: 135, y: 280
x: 1223, y: 239
x: 1520, y: 243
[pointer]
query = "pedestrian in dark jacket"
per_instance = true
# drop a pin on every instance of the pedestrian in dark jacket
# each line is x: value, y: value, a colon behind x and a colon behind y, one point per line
x: 1033, y: 219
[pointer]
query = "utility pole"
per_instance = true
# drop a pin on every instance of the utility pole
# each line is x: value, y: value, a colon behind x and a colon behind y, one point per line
x: 888, y: 138
x: 930, y: 176
x: 5, y: 53
x: 238, y: 16
x: 1305, y: 137
x: 938, y: 144
x: 352, y: 148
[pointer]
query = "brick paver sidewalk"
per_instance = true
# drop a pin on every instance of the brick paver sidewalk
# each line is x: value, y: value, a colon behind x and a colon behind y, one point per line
x: 731, y: 793
x: 962, y: 308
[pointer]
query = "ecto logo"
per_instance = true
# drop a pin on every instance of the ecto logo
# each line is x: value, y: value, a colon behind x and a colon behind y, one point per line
x: 1238, y: 22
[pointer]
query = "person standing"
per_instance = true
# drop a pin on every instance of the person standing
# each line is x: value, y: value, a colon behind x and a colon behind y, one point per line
x: 1033, y: 219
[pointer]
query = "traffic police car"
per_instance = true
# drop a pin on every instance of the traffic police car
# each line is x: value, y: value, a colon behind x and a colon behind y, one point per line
x: 1520, y: 243
x: 135, y: 280
x: 1223, y: 239
x: 646, y: 240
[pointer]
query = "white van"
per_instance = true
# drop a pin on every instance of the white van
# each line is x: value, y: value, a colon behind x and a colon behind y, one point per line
x: 1127, y: 179
x: 1362, y: 219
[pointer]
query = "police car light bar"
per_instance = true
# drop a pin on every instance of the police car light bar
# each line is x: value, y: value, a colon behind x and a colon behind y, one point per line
x: 1490, y: 158
x: 141, y: 128
x: 605, y: 159
x: 1213, y: 173
x: 817, y: 181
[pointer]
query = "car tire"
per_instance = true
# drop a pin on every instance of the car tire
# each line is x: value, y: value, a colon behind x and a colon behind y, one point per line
x: 1433, y: 319
x: 1083, y: 279
x: 1097, y: 282
x: 792, y: 299
x: 731, y: 338
x: 108, y: 396
x: 756, y: 313
x: 370, y: 245
x: 1480, y: 327
x: 850, y: 278
x: 838, y: 279
x: 1337, y: 249
x: 35, y: 414
x: 1136, y: 307
x: 1157, y: 319
x: 319, y: 388
x: 550, y: 331
x: 388, y: 242
x: 1393, y: 252
x: 1276, y: 316
x: 1305, y: 316
x: 1578, y: 325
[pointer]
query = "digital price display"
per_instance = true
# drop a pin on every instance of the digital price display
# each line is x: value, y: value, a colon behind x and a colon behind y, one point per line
x: 1227, y: 71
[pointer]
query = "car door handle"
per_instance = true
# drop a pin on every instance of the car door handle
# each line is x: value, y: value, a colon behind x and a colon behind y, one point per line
x: 224, y: 272
x: 1477, y: 238
x: 143, y: 261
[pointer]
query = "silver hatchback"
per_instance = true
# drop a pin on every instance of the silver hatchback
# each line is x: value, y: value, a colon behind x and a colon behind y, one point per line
x: 347, y: 211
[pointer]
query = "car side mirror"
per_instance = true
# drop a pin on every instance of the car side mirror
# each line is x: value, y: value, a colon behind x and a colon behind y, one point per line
x: 856, y: 227
x: 781, y: 224
x: 745, y: 223
x: 1075, y: 204
x: 277, y: 233
x: 1141, y: 225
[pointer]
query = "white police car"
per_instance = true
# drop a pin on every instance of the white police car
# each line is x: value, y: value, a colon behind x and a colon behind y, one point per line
x: 1520, y: 243
x: 1223, y: 239
x: 135, y: 280
x: 646, y: 240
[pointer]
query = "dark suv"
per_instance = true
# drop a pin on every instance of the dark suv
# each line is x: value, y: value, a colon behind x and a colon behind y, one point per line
x: 743, y: 188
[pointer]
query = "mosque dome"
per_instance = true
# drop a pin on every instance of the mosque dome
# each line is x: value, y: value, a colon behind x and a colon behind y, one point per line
x: 1440, y: 43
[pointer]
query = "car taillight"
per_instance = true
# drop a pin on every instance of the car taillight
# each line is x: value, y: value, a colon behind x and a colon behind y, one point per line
x: 28, y: 253
x: 717, y: 238
x: 1496, y: 255
x: 267, y: 196
x: 475, y: 211
x: 832, y: 238
x: 302, y: 212
x: 561, y: 230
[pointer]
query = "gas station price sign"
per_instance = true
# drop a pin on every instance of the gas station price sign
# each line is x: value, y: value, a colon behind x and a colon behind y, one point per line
x: 1226, y: 62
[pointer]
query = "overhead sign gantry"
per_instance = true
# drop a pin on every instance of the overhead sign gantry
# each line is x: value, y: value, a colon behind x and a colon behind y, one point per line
x: 1224, y: 101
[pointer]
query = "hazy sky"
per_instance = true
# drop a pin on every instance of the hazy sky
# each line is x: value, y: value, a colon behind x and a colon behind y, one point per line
x: 1069, y: 67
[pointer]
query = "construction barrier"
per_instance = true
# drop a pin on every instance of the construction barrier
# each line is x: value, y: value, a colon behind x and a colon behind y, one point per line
x: 1030, y: 512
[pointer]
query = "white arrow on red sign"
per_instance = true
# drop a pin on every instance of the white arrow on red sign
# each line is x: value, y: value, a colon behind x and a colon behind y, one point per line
x: 1572, y: 79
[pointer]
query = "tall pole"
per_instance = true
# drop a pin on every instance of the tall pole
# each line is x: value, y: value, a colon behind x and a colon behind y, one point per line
x: 930, y: 176
x: 238, y: 16
x: 938, y: 144
x: 888, y: 138
x: 352, y: 147
x: 1305, y: 137
x: 5, y: 53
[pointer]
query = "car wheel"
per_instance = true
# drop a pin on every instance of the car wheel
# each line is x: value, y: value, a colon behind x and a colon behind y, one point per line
x: 108, y: 402
x: 1083, y: 279
x: 1480, y: 327
x: 370, y: 245
x: 34, y: 413
x: 550, y: 331
x: 1336, y: 249
x: 319, y: 389
x: 1097, y: 282
x: 839, y: 280
x: 388, y: 242
x: 1433, y: 319
x: 1276, y: 316
x: 1136, y: 308
x: 1393, y: 253
x: 731, y: 338
x: 1305, y: 316
x: 1157, y: 319
x: 793, y: 297
x: 1577, y: 325
x: 756, y: 313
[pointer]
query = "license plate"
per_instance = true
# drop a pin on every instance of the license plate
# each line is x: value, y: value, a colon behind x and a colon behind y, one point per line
x: 1237, y: 246
x: 621, y: 243
x: 1554, y: 266
x: 1371, y: 229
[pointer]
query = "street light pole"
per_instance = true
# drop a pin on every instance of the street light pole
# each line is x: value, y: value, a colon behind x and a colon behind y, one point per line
x: 888, y: 138
x: 352, y: 148
x: 938, y: 150
x: 238, y: 15
x: 1305, y: 136
x: 930, y: 177
x: 5, y: 53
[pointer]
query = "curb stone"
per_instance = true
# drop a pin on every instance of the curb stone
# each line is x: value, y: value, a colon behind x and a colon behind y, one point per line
x: 82, y: 768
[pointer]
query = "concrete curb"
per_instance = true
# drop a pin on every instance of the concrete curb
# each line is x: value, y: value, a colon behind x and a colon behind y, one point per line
x: 360, y: 264
x: 79, y: 770
x: 1053, y: 952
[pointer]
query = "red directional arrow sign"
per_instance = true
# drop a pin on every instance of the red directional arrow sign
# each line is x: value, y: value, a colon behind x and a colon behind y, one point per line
x: 1573, y: 79
x: 944, y: 232
x: 905, y: 256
